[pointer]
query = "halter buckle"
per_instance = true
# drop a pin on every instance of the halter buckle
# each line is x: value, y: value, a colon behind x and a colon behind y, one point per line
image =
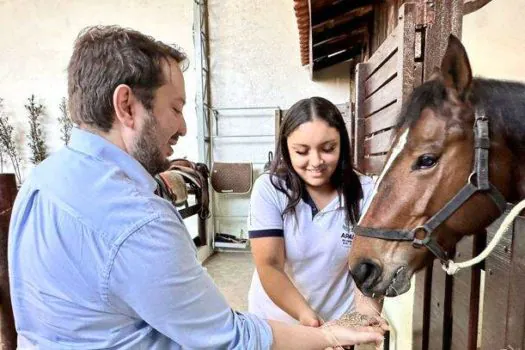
x: 420, y: 242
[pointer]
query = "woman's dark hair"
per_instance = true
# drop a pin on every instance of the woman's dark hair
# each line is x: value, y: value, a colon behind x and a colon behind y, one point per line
x: 283, y: 176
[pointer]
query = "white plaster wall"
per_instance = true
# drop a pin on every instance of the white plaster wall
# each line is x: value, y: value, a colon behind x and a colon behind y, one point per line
x: 493, y: 38
x: 37, y: 37
x: 255, y: 62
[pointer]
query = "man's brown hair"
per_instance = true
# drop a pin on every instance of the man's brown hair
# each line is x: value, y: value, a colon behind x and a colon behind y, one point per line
x: 107, y: 56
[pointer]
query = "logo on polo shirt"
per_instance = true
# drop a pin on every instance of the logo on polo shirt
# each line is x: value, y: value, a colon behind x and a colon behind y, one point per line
x: 347, y: 236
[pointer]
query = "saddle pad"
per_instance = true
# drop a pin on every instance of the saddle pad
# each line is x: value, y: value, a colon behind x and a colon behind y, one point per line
x: 234, y: 178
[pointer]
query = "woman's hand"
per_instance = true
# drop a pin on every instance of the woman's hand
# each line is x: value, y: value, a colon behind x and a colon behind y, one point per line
x: 310, y: 318
x: 340, y: 336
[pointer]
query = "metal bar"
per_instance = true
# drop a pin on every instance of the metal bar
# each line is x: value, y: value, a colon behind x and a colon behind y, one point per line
x: 240, y: 136
x: 200, y: 28
x: 244, y: 108
x: 202, y: 101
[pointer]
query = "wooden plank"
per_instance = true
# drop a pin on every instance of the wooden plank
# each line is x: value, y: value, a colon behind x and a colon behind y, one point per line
x: 516, y: 317
x: 322, y: 33
x: 465, y: 297
x: 497, y: 281
x: 344, y: 108
x: 389, y: 46
x: 448, y: 18
x: 339, y: 9
x: 359, y: 135
x: 473, y: 5
x: 437, y: 302
x: 423, y: 281
x: 406, y: 44
x: 418, y: 74
x: 310, y: 41
x: 457, y: 10
x: 421, y: 315
x: 389, y: 93
x: 440, y: 313
x: 374, y: 164
x: 385, y: 118
x: 349, y: 123
x: 8, y: 193
x: 387, y: 71
x: 379, y: 143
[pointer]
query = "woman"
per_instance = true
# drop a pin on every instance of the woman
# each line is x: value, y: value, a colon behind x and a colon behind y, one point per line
x: 301, y: 219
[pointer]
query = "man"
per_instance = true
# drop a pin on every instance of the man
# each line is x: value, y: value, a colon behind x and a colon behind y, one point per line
x: 96, y: 259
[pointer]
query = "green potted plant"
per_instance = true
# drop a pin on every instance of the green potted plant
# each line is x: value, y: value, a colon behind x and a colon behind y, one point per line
x: 36, y: 136
x: 8, y: 146
x: 65, y: 122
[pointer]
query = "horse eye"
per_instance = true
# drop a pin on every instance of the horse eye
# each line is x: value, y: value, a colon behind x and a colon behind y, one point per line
x: 425, y: 161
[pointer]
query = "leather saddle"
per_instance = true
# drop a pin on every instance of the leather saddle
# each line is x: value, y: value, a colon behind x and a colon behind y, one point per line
x: 195, y: 176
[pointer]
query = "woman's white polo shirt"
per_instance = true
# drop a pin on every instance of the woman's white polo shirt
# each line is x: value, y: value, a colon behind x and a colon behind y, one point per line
x: 317, y: 244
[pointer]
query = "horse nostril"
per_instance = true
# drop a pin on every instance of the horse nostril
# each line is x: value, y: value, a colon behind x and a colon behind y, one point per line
x: 365, y: 274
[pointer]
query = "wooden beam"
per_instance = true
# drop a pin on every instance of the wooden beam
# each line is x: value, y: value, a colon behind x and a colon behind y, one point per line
x: 339, y: 43
x: 328, y: 61
x: 346, y: 17
x: 342, y: 8
x: 344, y: 27
x: 470, y: 6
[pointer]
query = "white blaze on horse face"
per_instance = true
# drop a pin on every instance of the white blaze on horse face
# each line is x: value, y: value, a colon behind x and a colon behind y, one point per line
x: 395, y: 152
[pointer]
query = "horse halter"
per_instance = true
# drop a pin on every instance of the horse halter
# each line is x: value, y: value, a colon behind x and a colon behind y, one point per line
x: 478, y: 181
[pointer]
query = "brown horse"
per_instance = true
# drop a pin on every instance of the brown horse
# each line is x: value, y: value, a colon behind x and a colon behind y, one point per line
x: 457, y: 158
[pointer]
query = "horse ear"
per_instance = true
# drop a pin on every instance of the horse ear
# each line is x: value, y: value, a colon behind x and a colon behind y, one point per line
x: 455, y: 67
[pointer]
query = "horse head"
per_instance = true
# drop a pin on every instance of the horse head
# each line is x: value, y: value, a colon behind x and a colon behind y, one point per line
x: 439, y: 183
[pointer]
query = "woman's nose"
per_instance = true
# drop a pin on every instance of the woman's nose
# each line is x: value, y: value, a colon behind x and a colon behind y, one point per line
x: 315, y: 159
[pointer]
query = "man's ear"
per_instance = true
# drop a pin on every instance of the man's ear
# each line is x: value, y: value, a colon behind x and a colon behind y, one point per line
x: 123, y: 100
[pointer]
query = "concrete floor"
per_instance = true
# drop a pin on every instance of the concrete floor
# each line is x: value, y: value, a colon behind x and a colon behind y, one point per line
x: 232, y: 273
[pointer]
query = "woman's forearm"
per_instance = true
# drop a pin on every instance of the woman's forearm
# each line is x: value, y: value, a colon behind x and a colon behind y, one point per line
x: 282, y: 291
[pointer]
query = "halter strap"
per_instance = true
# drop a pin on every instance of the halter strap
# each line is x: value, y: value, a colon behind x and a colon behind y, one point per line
x: 478, y: 181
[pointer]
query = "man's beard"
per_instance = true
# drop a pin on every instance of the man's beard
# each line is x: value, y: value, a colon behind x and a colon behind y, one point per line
x: 146, y: 148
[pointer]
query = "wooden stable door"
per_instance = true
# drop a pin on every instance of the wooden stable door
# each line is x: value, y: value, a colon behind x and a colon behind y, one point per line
x: 382, y: 84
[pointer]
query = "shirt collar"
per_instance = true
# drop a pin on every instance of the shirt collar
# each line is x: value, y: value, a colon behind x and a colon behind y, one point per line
x: 305, y: 196
x: 98, y: 147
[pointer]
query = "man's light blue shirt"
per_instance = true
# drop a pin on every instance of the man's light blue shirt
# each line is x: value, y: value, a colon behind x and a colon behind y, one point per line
x: 98, y: 261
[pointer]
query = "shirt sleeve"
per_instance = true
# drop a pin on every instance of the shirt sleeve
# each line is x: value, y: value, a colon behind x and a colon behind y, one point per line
x: 156, y: 275
x: 265, y: 218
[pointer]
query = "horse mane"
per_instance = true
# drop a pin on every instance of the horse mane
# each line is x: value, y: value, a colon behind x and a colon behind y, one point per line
x: 503, y: 101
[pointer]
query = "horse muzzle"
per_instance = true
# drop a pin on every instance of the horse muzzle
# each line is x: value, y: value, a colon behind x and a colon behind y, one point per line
x: 373, y: 281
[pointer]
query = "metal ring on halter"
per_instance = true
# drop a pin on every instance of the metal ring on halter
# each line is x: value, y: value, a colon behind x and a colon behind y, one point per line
x: 418, y: 243
x: 470, y: 177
